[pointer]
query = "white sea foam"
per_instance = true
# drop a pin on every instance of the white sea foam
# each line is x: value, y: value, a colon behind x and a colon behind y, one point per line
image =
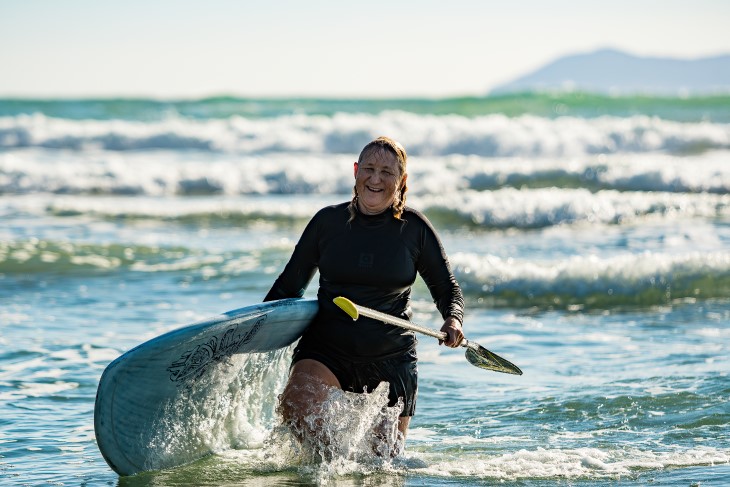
x: 168, y: 173
x: 707, y: 172
x: 712, y: 332
x: 490, y: 135
x: 651, y: 276
x: 236, y: 408
x: 581, y: 276
x: 504, y: 208
x: 195, y: 173
x: 511, y: 207
x: 479, y: 465
x: 39, y: 389
x: 566, y: 463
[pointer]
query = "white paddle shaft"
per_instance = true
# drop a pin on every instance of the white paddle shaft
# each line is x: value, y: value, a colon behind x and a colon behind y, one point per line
x: 475, y: 353
x: 348, y: 306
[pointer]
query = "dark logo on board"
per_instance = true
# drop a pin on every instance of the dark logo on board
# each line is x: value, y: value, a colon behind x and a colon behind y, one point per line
x: 194, y: 362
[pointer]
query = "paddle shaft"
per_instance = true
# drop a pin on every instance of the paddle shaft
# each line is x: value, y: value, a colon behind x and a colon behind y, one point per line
x: 386, y: 318
x: 475, y: 353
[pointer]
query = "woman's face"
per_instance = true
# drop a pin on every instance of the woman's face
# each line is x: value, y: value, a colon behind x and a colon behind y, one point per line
x: 378, y: 180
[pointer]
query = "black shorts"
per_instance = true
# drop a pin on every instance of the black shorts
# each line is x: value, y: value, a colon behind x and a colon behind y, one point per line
x: 401, y: 372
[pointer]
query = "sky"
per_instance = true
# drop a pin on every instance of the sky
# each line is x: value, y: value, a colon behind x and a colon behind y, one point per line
x: 327, y: 48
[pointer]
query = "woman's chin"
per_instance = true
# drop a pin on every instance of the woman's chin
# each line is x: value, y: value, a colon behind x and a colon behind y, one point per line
x: 373, y: 208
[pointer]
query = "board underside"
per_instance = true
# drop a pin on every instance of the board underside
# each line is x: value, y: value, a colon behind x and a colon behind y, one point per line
x: 146, y: 393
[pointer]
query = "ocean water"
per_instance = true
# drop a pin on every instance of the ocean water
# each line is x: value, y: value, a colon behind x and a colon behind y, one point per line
x: 591, y: 236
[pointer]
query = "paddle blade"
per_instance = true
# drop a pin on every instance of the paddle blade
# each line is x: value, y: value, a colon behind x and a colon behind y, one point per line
x: 484, y: 359
x: 347, y: 306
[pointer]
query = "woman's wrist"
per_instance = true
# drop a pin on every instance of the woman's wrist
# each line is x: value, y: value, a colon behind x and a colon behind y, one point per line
x: 453, y: 319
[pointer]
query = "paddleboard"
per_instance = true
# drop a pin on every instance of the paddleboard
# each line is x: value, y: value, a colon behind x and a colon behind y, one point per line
x: 146, y: 395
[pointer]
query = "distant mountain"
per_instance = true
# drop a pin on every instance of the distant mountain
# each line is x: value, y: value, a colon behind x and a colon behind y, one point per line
x: 616, y: 72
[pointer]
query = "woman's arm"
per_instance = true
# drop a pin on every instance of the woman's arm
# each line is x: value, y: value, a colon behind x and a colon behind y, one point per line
x: 434, y: 268
x: 300, y: 269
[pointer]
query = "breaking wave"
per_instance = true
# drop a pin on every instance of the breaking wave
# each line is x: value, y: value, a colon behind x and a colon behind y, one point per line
x: 581, y: 282
x: 493, y: 135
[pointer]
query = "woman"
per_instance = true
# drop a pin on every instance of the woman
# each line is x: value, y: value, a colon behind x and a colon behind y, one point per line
x: 367, y: 250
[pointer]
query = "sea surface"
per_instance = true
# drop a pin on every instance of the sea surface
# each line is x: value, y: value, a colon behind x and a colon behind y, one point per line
x: 590, y: 234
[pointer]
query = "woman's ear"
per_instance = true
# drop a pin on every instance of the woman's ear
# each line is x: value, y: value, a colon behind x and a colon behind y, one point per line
x: 403, y: 181
x: 354, y: 169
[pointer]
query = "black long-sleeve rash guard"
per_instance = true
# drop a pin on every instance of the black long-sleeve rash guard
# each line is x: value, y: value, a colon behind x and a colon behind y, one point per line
x: 372, y: 261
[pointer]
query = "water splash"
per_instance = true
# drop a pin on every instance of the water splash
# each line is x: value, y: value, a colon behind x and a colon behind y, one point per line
x: 348, y: 433
x: 232, y: 406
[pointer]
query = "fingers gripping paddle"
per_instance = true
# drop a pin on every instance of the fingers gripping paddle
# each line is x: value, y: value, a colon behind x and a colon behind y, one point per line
x: 475, y: 353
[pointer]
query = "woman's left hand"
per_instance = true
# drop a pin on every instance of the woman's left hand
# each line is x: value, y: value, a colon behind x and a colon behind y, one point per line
x: 452, y: 328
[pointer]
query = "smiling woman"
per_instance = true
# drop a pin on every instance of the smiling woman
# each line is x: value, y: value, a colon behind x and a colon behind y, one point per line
x: 372, y: 258
x: 380, y: 178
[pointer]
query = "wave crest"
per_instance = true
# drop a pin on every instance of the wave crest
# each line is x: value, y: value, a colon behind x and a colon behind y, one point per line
x: 590, y: 282
x: 424, y: 135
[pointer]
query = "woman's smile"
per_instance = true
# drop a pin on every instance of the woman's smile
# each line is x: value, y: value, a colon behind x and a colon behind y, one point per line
x: 377, y: 181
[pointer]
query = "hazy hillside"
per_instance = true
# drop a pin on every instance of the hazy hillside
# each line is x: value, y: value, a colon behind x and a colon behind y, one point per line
x: 611, y: 71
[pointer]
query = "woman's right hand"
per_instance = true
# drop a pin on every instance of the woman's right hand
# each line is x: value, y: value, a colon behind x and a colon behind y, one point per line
x: 454, y: 334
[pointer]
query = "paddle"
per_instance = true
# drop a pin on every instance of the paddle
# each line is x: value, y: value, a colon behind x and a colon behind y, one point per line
x: 475, y: 353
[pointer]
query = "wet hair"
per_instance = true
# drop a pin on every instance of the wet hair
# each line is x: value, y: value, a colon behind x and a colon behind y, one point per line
x: 388, y: 145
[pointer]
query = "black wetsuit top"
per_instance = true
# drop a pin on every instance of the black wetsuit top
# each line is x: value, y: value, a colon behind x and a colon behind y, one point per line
x: 372, y: 261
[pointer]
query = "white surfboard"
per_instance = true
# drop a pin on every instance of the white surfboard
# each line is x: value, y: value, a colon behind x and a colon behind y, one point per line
x: 148, y: 397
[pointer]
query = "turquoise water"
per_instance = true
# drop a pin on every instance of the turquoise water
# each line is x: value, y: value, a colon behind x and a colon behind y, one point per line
x: 592, y: 242
x: 690, y: 109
